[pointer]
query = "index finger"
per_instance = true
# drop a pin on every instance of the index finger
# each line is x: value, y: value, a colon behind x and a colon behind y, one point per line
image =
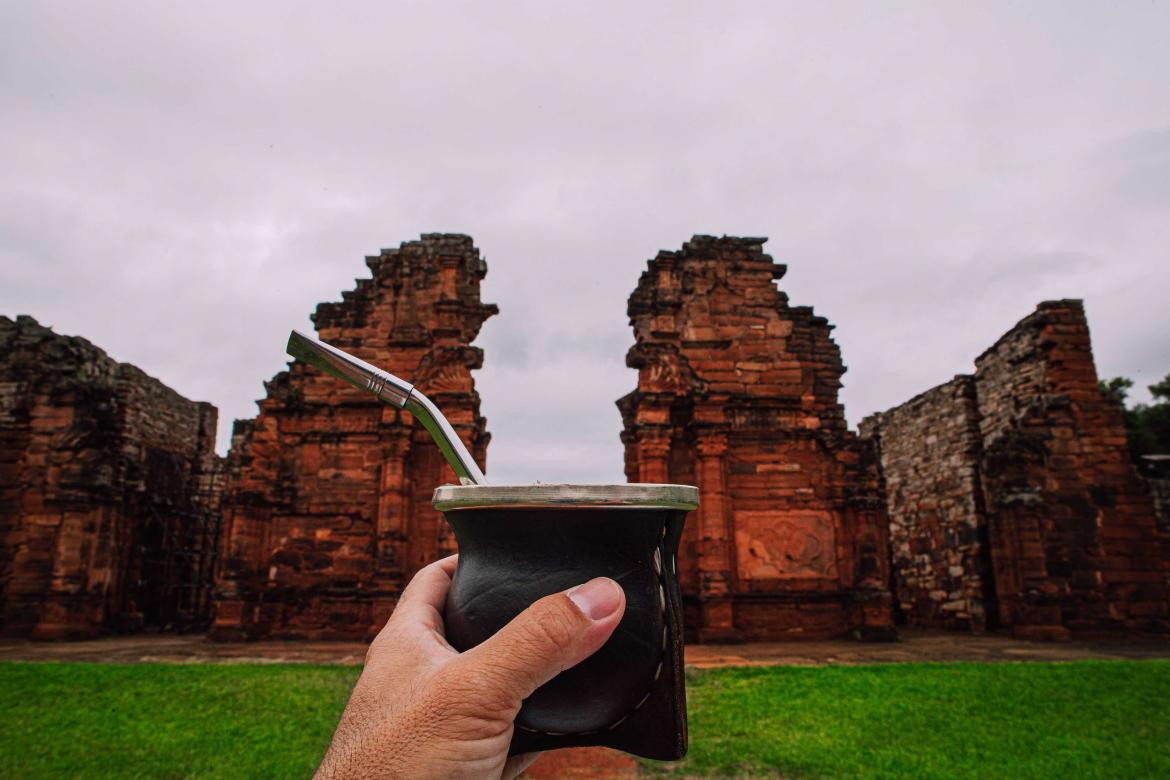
x: 428, y: 588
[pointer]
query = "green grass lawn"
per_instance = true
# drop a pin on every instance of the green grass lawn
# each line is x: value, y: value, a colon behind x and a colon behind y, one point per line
x: 165, y: 721
x: 1089, y: 719
x: 1085, y: 719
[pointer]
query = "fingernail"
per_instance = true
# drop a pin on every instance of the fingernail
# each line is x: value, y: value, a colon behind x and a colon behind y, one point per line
x: 597, y: 598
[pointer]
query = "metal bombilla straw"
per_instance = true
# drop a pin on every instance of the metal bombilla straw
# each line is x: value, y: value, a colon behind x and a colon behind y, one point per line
x: 394, y: 391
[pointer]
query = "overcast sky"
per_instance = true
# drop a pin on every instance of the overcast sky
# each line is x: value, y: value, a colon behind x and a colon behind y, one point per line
x: 182, y: 183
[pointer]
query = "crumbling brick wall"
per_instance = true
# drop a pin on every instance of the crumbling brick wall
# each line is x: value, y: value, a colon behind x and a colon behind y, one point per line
x: 1072, y: 529
x: 328, y: 509
x: 737, y: 394
x: 1067, y: 533
x: 930, y: 448
x: 108, y: 492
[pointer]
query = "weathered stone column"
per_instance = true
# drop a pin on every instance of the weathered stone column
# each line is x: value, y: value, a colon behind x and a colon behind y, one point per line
x: 392, y: 523
x: 715, y: 572
x: 654, y: 455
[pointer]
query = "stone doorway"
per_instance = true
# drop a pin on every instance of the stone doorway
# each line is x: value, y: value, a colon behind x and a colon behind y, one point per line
x: 173, y: 539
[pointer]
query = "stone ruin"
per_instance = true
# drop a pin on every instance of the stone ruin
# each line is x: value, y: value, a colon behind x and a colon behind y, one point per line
x: 109, y: 486
x: 1012, y: 498
x: 1004, y: 499
x: 328, y: 511
x: 737, y: 394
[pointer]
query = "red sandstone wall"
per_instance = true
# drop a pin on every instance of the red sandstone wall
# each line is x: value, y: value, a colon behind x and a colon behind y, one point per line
x: 1011, y: 493
x: 328, y: 510
x: 108, y: 510
x: 930, y: 452
x: 737, y: 393
x: 1073, y: 537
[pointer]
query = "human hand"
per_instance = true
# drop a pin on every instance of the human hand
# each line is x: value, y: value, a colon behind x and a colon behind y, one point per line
x: 421, y: 709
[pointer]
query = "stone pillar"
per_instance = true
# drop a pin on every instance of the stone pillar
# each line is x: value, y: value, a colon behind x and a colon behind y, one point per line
x: 392, y: 525
x: 715, y: 568
x: 654, y: 455
x: 239, y: 578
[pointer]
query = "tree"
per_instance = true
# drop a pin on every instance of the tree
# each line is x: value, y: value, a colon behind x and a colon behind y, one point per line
x: 1161, y: 389
x: 1152, y: 421
x: 1116, y: 389
x: 1147, y: 426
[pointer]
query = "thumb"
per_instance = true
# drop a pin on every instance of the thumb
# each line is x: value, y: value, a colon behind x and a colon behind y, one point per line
x: 555, y: 633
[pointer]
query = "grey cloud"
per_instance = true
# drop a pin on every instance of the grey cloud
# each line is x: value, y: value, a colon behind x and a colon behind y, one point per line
x: 184, y: 183
x: 1138, y: 169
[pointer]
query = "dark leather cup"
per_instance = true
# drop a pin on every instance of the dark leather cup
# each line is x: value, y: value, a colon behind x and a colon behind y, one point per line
x: 519, y: 543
